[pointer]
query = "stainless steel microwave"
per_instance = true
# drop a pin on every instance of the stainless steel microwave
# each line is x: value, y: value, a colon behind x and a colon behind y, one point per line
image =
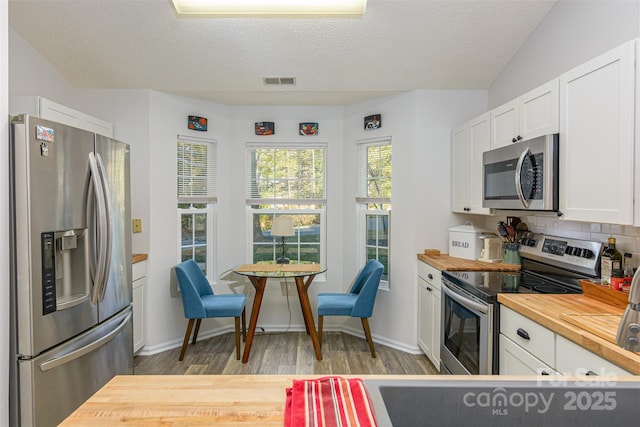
x: 523, y: 175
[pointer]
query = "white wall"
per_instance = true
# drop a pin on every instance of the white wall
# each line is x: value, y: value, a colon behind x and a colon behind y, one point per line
x: 164, y: 317
x: 573, y: 32
x: 419, y: 124
x: 31, y: 74
x: 4, y: 215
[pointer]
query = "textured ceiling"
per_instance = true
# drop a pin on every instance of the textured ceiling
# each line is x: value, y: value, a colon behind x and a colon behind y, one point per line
x: 397, y: 46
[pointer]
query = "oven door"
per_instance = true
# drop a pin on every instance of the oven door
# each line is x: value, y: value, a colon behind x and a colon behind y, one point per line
x: 466, y: 339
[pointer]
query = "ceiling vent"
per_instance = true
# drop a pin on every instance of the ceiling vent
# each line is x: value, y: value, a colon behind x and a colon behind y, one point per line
x: 279, y: 81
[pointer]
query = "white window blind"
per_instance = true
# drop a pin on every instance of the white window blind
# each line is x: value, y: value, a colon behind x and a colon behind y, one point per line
x: 373, y: 167
x: 285, y: 174
x: 196, y: 170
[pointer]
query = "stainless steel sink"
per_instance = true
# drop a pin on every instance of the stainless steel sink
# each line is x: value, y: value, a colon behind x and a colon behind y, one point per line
x: 549, y: 402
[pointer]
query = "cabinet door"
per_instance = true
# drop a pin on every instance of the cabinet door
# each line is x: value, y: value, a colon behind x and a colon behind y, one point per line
x: 539, y: 113
x: 505, y: 124
x: 424, y: 317
x: 571, y: 359
x: 597, y: 138
x: 138, y: 314
x: 436, y: 321
x: 479, y: 141
x: 460, y: 173
x: 514, y: 360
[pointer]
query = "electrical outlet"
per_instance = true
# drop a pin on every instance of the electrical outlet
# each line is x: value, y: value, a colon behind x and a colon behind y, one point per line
x: 137, y: 225
x: 284, y: 287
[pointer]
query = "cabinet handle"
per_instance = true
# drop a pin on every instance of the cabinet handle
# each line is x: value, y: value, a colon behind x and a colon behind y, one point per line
x: 429, y: 289
x: 513, y: 140
x: 519, y: 138
x: 524, y: 334
x: 430, y: 276
x: 591, y: 373
x: 544, y: 373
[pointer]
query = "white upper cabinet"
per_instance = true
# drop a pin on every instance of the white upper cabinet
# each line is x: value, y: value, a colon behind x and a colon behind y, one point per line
x: 533, y: 114
x: 505, y: 124
x: 597, y: 138
x: 460, y: 160
x: 636, y: 218
x: 539, y: 113
x: 468, y: 142
x: 47, y: 109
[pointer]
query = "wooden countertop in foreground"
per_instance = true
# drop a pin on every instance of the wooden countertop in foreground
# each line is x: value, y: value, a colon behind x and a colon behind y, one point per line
x: 450, y: 263
x: 206, y: 400
x: 549, y: 311
x: 192, y: 400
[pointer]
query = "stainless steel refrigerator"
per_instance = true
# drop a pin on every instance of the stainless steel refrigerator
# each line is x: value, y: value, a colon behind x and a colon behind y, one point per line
x: 71, y: 290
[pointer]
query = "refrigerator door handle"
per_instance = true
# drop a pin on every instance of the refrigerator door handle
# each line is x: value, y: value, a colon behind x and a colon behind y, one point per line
x: 96, y: 189
x: 107, y: 233
x: 75, y: 354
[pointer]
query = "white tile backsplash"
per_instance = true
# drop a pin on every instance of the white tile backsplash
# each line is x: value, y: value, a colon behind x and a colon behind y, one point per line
x: 627, y: 237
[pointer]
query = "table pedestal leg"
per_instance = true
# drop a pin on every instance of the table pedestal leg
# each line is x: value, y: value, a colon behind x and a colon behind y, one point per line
x: 307, y: 314
x: 259, y: 284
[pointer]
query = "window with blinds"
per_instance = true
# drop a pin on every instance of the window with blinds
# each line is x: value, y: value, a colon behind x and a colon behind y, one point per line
x: 196, y: 170
x: 286, y: 180
x: 285, y: 174
x: 196, y: 182
x: 374, y: 171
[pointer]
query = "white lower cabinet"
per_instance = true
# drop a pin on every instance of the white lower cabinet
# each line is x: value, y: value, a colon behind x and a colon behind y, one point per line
x: 139, y: 272
x: 429, y: 283
x: 577, y: 360
x: 528, y: 348
x: 515, y: 360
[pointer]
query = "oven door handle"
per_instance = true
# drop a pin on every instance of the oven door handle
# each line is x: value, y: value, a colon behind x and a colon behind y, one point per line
x: 465, y: 302
x: 523, y: 199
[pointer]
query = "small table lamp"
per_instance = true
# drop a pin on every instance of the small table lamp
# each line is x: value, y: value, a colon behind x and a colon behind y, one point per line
x: 282, y: 227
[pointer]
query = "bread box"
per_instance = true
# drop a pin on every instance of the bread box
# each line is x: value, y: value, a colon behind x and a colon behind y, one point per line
x: 465, y: 241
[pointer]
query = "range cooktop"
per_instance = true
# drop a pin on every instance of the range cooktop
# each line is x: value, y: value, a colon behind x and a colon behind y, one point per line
x: 550, y: 265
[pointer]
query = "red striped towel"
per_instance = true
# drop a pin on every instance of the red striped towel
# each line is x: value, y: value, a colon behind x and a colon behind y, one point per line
x: 328, y: 402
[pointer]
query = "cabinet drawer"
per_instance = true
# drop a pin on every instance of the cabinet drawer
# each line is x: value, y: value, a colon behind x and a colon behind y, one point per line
x: 534, y: 338
x: 431, y: 275
x: 514, y: 360
x: 573, y: 359
x: 138, y: 270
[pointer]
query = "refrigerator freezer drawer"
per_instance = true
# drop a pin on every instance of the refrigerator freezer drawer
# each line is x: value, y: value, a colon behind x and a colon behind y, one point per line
x: 57, y: 382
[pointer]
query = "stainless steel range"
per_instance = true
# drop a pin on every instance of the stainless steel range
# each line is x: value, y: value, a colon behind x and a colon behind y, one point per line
x: 470, y: 315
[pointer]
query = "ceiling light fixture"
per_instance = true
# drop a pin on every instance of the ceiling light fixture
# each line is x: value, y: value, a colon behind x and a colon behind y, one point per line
x: 229, y: 8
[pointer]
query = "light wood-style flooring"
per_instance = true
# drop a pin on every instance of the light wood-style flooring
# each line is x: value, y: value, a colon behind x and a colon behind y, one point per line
x: 285, y: 353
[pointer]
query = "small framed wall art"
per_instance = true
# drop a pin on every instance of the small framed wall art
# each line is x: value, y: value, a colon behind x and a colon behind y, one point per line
x: 373, y: 122
x: 265, y: 128
x: 308, y: 129
x: 197, y: 123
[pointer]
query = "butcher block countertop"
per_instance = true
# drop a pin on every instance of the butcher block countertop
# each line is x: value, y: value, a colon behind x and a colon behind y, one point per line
x: 192, y: 400
x: 138, y: 257
x: 450, y: 263
x: 587, y: 321
x: 220, y: 400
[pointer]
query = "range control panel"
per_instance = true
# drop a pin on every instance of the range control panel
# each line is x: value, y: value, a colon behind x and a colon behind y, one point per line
x: 573, y: 254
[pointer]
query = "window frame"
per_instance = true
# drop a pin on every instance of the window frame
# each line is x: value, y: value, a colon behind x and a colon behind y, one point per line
x: 363, y: 202
x: 208, y: 198
x: 284, y: 206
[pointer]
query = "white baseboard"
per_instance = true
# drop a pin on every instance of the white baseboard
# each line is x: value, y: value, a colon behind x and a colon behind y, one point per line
x: 147, y: 350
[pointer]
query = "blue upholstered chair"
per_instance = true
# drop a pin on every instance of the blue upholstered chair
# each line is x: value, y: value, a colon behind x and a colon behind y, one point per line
x: 200, y: 302
x: 357, y: 303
